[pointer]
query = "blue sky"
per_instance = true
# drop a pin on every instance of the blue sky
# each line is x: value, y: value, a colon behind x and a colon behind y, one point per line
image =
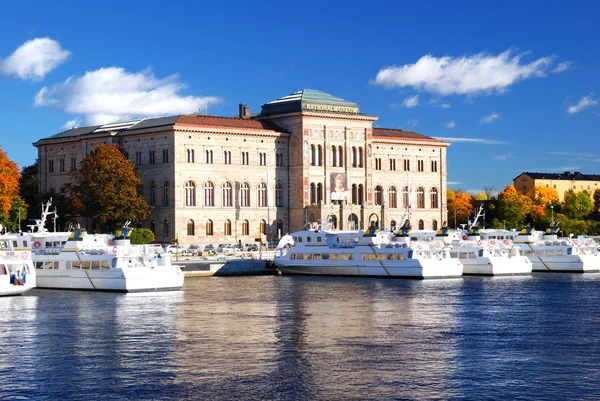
x: 512, y: 85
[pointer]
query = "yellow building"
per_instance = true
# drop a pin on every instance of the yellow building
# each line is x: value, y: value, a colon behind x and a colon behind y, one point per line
x: 305, y: 157
x: 561, y: 182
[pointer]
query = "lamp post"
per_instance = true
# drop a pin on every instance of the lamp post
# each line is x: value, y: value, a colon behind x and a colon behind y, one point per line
x: 552, y: 212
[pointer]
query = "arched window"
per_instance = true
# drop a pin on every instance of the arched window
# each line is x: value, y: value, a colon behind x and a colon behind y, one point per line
x: 378, y: 195
x: 319, y: 193
x: 361, y: 193
x: 420, y: 198
x: 334, y: 221
x: 435, y: 226
x: 190, y: 155
x: 354, y: 194
x: 434, y: 198
x: 405, y: 197
x: 208, y: 156
x: 209, y: 227
x: 360, y: 157
x: 333, y: 156
x: 279, y: 194
x: 354, y: 156
x: 245, y: 227
x: 320, y: 155
x: 209, y: 194
x: 190, y: 193
x: 262, y: 195
x: 153, y: 227
x: 353, y: 222
x: 263, y: 227
x: 279, y: 228
x: 227, y: 227
x: 245, y: 194
x: 152, y: 193
x: 312, y: 198
x: 166, y: 193
x: 313, y: 217
x: 340, y: 156
x: 421, y: 225
x: 312, y: 155
x: 392, y: 197
x: 190, y: 227
x: 227, y: 194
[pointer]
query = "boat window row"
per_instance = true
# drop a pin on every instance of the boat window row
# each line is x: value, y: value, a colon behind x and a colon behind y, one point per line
x: 552, y: 252
x: 351, y: 256
x: 54, y: 265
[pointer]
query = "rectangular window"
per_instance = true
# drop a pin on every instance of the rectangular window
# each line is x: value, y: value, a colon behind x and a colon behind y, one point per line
x: 50, y: 166
x: 61, y: 165
x: 165, y: 154
x: 151, y: 157
x: 420, y: 165
x: 138, y: 158
x: 73, y: 163
x: 406, y: 165
x: 434, y: 166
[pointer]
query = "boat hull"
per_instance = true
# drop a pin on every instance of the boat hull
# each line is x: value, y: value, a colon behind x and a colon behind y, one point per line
x: 497, y: 266
x: 10, y: 290
x: 137, y: 279
x: 569, y: 263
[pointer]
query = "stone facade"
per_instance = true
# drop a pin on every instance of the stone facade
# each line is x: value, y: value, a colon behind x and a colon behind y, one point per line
x: 561, y: 182
x: 220, y: 180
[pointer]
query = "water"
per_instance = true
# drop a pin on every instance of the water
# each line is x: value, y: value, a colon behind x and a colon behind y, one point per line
x: 308, y: 338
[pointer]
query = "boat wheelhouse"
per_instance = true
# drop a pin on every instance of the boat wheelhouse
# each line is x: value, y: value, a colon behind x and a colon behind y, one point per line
x: 13, y: 259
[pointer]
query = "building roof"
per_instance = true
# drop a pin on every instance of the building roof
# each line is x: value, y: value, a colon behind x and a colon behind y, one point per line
x: 566, y: 176
x: 401, y: 134
x: 310, y: 100
x: 230, y: 122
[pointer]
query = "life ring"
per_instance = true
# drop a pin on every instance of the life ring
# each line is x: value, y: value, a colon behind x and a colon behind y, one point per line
x: 478, y: 242
x: 114, y: 249
x: 24, y: 255
x: 492, y: 242
x: 505, y: 242
x: 575, y: 241
x: 36, y: 244
x: 464, y: 237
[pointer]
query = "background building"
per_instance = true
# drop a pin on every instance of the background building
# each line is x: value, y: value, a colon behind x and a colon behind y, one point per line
x: 562, y: 182
x: 223, y: 179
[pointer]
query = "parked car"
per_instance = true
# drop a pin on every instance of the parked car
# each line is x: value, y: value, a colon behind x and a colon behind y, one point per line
x: 209, y: 249
x: 251, y: 247
x: 221, y: 247
x: 230, y: 249
x: 175, y: 249
x: 194, y: 250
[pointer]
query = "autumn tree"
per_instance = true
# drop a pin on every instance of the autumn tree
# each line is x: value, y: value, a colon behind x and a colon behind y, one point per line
x: 513, y: 207
x: 577, y: 204
x: 106, y: 189
x: 597, y: 200
x: 460, y: 206
x: 542, y: 198
x: 9, y: 187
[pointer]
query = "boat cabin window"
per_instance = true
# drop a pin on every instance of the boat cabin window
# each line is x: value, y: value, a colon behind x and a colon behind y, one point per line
x: 549, y: 252
x: 317, y: 256
x: 569, y: 251
x: 308, y: 239
x: 345, y: 256
x: 381, y: 256
x: 391, y: 256
x: 539, y: 253
x: 319, y: 239
x: 325, y: 256
x: 307, y: 256
x: 481, y: 253
x: 560, y: 252
x: 15, y: 243
x: 334, y: 256
x: 299, y: 239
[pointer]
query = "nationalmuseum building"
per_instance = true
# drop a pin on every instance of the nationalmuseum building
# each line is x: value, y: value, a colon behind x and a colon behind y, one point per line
x: 305, y: 157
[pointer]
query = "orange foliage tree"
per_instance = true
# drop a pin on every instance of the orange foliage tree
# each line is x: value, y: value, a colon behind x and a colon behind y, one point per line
x: 541, y: 199
x: 513, y: 207
x: 9, y: 184
x: 460, y: 207
x: 106, y: 189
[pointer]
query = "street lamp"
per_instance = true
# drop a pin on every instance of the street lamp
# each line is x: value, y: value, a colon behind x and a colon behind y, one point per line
x: 552, y: 211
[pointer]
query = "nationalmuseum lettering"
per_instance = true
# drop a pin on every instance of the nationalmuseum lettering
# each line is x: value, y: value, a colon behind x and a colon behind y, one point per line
x: 338, y: 109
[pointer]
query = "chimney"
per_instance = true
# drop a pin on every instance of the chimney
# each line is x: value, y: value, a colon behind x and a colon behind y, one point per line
x: 577, y: 173
x: 567, y: 173
x: 244, y: 111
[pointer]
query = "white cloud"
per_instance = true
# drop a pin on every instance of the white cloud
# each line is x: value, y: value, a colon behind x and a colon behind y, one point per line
x: 490, y: 118
x: 503, y: 157
x: 454, y: 183
x: 583, y: 104
x: 446, y: 105
x: 412, y: 122
x: 474, y: 140
x: 34, y: 59
x: 564, y: 66
x: 451, y: 124
x: 467, y: 75
x: 76, y: 122
x: 111, y: 94
x: 411, y: 101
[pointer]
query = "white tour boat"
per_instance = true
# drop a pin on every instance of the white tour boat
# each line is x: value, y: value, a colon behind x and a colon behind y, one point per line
x: 363, y: 253
x: 548, y: 252
x: 12, y: 259
x: 479, y: 256
x: 78, y: 260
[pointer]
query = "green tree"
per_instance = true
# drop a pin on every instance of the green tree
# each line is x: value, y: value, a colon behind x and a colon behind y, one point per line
x: 106, y: 189
x: 142, y: 236
x: 29, y: 190
x: 577, y: 205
